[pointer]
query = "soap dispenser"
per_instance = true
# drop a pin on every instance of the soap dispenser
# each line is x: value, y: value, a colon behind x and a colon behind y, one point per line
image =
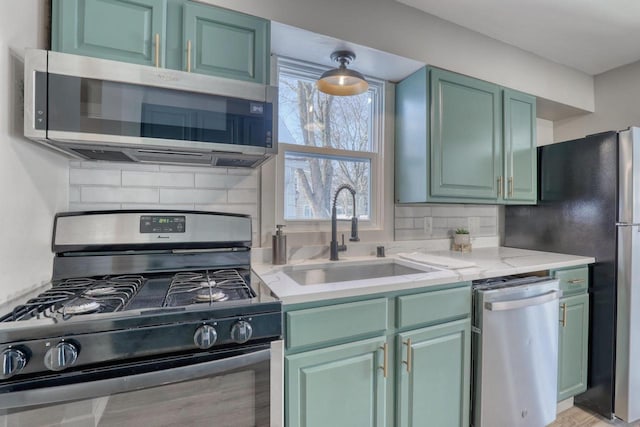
x: 279, y: 247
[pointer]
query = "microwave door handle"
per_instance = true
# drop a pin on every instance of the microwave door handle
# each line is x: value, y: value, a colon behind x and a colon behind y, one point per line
x: 106, y: 387
x: 521, y: 303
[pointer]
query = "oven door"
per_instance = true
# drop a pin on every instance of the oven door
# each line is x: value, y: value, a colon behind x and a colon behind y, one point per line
x: 188, y: 391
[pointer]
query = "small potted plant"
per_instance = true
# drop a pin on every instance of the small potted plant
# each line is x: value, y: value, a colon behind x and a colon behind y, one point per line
x: 461, y: 237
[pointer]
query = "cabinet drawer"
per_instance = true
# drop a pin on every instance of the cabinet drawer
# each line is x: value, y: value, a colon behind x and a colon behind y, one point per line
x: 336, y: 322
x: 573, y: 280
x: 432, y: 307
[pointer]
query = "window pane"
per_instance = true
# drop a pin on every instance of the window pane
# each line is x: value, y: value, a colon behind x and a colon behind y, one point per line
x: 310, y: 117
x: 310, y: 182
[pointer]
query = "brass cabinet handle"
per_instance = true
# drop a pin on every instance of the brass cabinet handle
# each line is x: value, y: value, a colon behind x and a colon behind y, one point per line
x: 384, y: 360
x: 575, y: 281
x: 510, y: 186
x: 188, y: 56
x: 157, y: 37
x: 500, y: 186
x: 564, y: 315
x: 408, y: 361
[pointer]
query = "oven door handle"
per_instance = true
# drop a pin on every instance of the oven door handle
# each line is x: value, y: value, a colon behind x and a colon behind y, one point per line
x: 106, y: 387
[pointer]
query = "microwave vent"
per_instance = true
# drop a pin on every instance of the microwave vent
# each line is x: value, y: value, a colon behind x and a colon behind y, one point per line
x: 106, y: 155
x: 157, y: 156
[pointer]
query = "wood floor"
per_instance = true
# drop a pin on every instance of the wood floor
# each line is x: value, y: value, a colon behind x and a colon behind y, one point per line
x: 578, y: 417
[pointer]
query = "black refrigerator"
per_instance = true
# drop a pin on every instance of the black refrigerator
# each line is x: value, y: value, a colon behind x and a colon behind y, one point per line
x: 586, y: 207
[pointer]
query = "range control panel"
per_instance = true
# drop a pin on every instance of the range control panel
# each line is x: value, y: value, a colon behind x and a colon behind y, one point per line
x: 162, y: 224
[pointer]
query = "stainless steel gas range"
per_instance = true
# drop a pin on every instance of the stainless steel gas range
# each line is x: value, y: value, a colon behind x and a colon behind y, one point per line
x: 152, y: 317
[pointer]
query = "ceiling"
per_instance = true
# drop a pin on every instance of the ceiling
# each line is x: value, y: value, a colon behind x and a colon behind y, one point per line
x: 317, y: 48
x: 593, y: 36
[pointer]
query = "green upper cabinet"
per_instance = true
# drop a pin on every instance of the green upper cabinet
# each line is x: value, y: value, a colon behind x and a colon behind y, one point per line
x: 340, y: 386
x: 165, y: 33
x: 433, y: 384
x: 463, y: 140
x: 465, y: 137
x: 412, y: 152
x: 520, y: 167
x: 123, y: 30
x: 226, y: 43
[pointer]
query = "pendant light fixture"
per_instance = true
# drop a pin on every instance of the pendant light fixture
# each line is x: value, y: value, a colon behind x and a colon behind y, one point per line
x: 342, y: 81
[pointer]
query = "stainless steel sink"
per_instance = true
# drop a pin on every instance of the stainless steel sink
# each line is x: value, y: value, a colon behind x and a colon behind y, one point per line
x: 344, y: 273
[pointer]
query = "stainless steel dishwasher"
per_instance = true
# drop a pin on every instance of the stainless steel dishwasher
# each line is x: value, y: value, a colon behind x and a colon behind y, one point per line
x: 515, y: 351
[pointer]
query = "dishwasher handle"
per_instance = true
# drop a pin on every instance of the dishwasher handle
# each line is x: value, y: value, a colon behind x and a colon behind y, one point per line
x: 524, y: 302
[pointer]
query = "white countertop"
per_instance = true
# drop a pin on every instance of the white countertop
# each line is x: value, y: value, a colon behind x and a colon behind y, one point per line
x: 490, y: 262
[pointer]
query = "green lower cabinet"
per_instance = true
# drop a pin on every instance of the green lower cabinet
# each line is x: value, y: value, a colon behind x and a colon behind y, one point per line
x: 339, y: 386
x: 572, y: 347
x: 434, y: 378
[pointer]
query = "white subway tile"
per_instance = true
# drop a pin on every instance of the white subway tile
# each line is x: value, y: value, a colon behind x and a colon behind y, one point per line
x: 74, y: 193
x: 404, y: 223
x: 156, y: 179
x: 118, y: 195
x: 439, y: 222
x: 242, y: 171
x: 226, y: 181
x: 193, y: 169
x: 195, y: 196
x: 118, y: 165
x: 134, y: 206
x: 93, y: 206
x: 410, y: 235
x: 486, y: 221
x: 243, y: 196
x: 412, y: 211
x: 94, y: 176
x: 245, y: 209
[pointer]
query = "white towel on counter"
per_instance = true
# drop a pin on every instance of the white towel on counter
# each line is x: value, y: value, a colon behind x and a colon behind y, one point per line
x: 438, y: 261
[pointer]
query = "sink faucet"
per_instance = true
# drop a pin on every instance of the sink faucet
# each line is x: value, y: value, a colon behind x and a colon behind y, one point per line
x: 334, y: 247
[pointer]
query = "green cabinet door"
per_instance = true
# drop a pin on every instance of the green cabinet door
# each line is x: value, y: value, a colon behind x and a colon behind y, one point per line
x: 572, y: 348
x: 225, y: 43
x: 466, y: 159
x: 519, y: 120
x: 434, y: 386
x: 339, y: 386
x: 122, y: 30
x: 412, y: 133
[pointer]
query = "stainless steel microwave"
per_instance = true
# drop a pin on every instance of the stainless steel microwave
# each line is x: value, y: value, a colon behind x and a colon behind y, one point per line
x: 98, y: 109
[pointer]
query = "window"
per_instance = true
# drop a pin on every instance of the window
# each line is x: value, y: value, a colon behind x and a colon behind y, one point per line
x: 326, y: 141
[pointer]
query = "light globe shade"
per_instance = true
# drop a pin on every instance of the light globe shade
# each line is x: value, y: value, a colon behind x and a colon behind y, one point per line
x: 342, y: 81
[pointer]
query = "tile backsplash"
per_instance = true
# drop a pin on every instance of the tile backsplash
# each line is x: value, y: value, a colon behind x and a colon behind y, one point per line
x: 436, y: 221
x: 98, y: 185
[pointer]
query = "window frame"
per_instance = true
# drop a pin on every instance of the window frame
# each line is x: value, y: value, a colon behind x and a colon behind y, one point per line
x: 375, y: 157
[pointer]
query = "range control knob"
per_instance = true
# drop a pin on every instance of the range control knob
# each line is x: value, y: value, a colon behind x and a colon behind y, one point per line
x: 61, y: 357
x: 205, y: 336
x: 13, y: 360
x: 241, y: 331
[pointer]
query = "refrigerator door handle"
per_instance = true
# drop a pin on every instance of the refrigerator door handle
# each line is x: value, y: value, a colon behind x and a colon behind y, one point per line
x: 627, y: 224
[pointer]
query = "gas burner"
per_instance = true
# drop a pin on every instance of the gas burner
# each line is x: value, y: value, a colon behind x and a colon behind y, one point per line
x: 80, y: 306
x: 100, y: 291
x: 209, y: 284
x: 210, y: 295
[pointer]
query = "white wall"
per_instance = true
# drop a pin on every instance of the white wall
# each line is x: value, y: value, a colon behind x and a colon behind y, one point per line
x: 33, y: 181
x: 544, y: 132
x: 617, y: 94
x: 393, y: 27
